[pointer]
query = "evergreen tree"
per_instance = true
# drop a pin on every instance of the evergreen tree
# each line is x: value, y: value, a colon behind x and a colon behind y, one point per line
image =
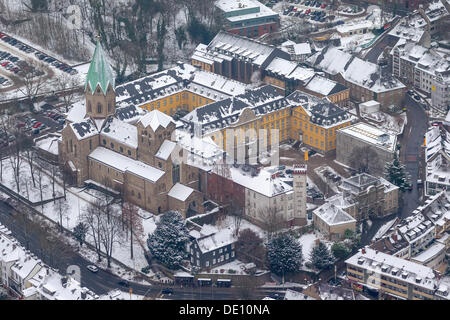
x: 340, y: 250
x: 168, y: 243
x: 321, y: 257
x: 80, y: 232
x: 395, y: 173
x: 284, y: 254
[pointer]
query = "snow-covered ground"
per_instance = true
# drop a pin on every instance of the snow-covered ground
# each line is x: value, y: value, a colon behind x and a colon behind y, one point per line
x: 308, y: 241
x: 26, y: 187
x: 235, y: 265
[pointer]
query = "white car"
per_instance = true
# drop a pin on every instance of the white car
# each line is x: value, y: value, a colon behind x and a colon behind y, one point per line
x: 92, y: 268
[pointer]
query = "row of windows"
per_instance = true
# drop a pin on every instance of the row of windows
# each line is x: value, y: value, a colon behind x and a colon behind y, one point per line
x: 111, y: 146
x: 99, y: 107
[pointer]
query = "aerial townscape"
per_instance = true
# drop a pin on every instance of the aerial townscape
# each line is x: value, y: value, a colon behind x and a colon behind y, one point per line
x: 225, y: 150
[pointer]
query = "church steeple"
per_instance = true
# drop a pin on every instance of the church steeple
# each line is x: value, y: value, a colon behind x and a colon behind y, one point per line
x: 100, y: 86
x: 100, y: 72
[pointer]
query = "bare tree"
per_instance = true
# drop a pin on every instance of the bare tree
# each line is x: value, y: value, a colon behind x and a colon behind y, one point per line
x: 41, y: 185
x: 110, y: 233
x: 34, y: 79
x: 70, y: 85
x: 91, y: 217
x: 106, y: 231
x: 272, y: 220
x: 30, y: 155
x: 61, y: 207
x: 132, y: 221
x: 238, y: 214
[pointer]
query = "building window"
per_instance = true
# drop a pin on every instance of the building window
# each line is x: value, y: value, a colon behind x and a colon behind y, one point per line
x: 99, y: 108
x: 129, y: 152
x: 112, y: 145
x: 104, y: 142
x: 109, y: 107
x: 89, y: 107
x: 121, y: 150
x: 90, y: 144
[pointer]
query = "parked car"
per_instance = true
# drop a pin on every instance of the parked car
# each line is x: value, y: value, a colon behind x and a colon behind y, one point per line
x: 167, y: 291
x: 92, y: 268
x: 124, y: 283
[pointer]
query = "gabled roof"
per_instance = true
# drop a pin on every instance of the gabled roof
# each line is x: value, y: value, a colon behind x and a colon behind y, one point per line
x: 156, y: 118
x: 121, y: 132
x: 180, y: 191
x: 333, y: 215
x: 165, y: 150
x: 100, y: 72
x: 84, y: 129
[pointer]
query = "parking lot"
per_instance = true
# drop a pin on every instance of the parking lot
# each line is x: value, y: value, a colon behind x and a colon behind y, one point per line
x: 14, y: 55
x: 49, y: 119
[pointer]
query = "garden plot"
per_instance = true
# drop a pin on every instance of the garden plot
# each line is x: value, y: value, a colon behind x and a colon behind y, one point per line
x: 329, y: 176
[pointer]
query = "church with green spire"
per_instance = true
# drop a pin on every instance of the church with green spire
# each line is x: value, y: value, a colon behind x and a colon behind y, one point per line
x: 100, y: 86
x: 125, y: 149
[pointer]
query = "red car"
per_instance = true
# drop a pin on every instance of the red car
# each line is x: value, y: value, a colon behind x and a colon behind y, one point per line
x: 4, y: 64
x: 37, y: 124
x: 295, y: 9
x: 323, y: 6
x: 308, y: 11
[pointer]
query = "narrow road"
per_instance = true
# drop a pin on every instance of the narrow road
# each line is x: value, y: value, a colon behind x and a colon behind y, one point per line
x: 104, y: 281
x: 411, y: 153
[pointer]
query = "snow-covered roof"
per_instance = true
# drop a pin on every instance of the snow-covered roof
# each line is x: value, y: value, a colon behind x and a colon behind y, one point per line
x: 123, y: 163
x: 77, y: 112
x: 48, y: 144
x: 373, y: 260
x: 353, y: 69
x: 84, y: 129
x: 121, y: 132
x: 180, y: 192
x: 324, y: 86
x: 295, y: 295
x: 371, y: 135
x: 429, y: 253
x: 414, y: 228
x: 289, y: 70
x: 354, y: 26
x: 217, y: 240
x: 25, y: 265
x: 57, y: 287
x: 165, y: 150
x: 220, y: 114
x: 320, y: 110
x: 264, y: 183
x: 228, y: 44
x: 244, y: 9
x: 155, y: 119
x: 333, y: 215
x: 219, y: 84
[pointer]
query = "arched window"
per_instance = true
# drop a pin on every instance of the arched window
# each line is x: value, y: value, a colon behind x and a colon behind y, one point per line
x: 175, y: 173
